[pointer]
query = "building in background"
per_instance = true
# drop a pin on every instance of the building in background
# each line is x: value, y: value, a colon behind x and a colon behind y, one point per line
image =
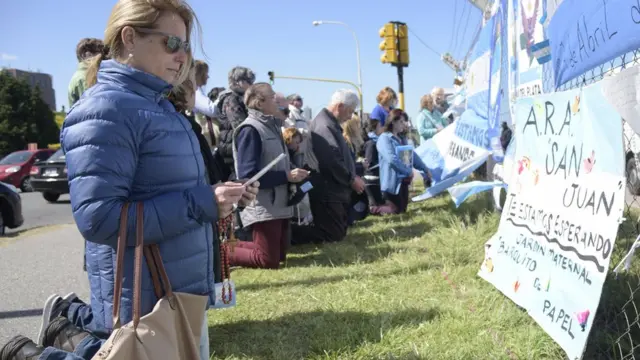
x: 41, y: 80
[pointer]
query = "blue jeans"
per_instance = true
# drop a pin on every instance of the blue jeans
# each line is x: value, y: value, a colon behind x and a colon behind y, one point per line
x: 87, y: 348
x: 80, y: 315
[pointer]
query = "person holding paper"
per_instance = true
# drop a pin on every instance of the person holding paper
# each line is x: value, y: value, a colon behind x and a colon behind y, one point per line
x: 257, y: 141
x: 396, y: 175
x: 124, y: 142
x: 430, y: 120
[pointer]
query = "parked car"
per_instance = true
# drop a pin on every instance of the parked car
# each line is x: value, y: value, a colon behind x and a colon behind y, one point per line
x: 10, y: 208
x: 50, y: 177
x: 15, y: 168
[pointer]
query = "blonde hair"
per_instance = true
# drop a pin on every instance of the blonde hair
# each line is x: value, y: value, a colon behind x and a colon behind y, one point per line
x: 352, y: 132
x: 202, y: 69
x: 140, y: 14
x: 289, y: 134
x: 386, y: 96
x: 426, y: 100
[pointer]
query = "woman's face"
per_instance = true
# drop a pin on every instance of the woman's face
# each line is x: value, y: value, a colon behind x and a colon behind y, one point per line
x: 161, y: 51
x: 295, y: 143
x: 430, y: 104
x: 393, y: 103
x: 400, y: 125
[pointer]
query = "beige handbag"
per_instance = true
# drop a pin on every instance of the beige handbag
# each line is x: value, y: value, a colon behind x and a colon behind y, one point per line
x: 172, y: 329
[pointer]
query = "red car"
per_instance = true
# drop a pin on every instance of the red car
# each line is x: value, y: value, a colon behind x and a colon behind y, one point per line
x: 15, y: 168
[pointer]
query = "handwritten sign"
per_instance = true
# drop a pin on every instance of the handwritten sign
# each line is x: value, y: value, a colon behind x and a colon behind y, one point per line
x: 623, y: 92
x: 584, y: 34
x: 453, y: 153
x: 564, y: 204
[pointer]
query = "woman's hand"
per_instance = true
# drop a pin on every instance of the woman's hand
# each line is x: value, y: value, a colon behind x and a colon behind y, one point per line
x: 250, y: 194
x: 297, y: 175
x: 227, y: 196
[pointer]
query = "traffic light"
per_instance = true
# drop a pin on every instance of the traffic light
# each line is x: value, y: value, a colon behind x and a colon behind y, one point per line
x: 403, y: 44
x: 271, y: 75
x: 389, y: 44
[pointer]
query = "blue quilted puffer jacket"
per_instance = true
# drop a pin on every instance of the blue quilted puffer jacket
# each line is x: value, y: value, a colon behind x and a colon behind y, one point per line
x: 124, y: 142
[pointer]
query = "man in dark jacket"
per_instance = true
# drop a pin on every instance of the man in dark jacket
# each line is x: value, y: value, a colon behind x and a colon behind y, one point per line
x: 232, y: 112
x: 331, y: 196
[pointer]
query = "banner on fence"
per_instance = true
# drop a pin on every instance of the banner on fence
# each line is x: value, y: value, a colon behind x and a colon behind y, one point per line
x: 564, y: 205
x: 454, y: 153
x: 585, y: 34
x: 526, y: 33
x: 623, y: 92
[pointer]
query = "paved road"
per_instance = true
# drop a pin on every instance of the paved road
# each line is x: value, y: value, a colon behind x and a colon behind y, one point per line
x: 32, y: 268
x: 37, y: 212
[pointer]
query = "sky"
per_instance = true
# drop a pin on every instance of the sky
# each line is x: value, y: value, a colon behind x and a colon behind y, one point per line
x: 275, y: 35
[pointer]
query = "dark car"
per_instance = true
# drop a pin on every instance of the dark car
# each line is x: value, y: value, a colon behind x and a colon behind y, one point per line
x: 10, y: 207
x: 50, y: 177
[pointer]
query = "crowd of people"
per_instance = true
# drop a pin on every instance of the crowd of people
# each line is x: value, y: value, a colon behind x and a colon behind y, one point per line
x: 142, y: 129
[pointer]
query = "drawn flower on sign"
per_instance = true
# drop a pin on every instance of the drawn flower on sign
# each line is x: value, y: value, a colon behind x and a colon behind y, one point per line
x: 538, y: 106
x: 516, y: 286
x: 488, y: 264
x: 575, y: 108
x: 523, y: 164
x: 589, y: 162
x: 583, y: 317
x: 536, y: 176
x: 527, y: 174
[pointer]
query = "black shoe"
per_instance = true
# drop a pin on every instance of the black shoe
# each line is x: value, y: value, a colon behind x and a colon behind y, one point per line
x: 20, y: 348
x: 55, y: 306
x: 62, y: 334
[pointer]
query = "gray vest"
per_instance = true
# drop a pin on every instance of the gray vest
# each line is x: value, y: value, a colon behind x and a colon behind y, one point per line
x: 270, y: 204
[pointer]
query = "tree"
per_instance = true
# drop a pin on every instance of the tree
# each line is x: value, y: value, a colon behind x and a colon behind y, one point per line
x: 24, y: 116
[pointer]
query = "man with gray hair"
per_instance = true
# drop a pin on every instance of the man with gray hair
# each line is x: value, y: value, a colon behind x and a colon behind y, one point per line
x: 331, y: 198
x: 233, y: 111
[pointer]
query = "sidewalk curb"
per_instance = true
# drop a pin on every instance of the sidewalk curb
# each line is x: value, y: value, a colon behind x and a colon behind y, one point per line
x: 10, y: 238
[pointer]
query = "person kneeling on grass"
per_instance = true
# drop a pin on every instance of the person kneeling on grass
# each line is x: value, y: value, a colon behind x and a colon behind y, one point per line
x: 256, y: 142
x: 395, y: 174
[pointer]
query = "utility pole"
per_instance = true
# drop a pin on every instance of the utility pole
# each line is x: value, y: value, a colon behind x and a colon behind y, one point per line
x: 395, y: 45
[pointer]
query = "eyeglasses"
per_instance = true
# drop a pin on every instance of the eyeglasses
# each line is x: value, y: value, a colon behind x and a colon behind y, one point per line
x: 171, y: 42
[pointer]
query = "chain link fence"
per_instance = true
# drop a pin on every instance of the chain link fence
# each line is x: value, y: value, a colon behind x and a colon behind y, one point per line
x: 616, y: 330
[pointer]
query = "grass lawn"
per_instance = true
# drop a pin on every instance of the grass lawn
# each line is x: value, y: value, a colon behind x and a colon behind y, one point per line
x: 400, y: 287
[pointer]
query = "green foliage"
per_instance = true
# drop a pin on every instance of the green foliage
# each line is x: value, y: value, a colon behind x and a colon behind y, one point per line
x: 59, y: 116
x: 24, y: 116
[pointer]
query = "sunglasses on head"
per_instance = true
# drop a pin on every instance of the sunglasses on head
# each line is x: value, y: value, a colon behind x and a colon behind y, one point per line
x: 171, y: 42
x: 284, y: 110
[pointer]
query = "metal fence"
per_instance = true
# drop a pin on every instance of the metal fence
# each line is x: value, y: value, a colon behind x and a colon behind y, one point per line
x: 616, y: 330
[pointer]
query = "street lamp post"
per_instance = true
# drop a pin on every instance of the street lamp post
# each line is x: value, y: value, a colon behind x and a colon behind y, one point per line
x: 355, y: 37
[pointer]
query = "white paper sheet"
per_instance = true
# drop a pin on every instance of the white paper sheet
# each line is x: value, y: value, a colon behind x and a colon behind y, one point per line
x: 623, y: 92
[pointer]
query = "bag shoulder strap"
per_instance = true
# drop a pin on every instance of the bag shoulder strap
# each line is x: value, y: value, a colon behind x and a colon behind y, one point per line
x: 137, y: 267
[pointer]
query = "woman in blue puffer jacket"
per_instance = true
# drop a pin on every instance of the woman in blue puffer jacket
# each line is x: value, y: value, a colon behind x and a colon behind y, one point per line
x: 396, y: 171
x: 124, y: 142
